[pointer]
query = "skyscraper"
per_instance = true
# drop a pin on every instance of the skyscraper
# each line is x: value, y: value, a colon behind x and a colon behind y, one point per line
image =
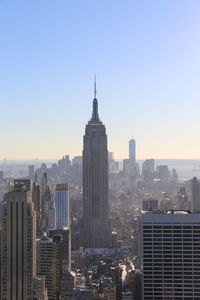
x: 182, y: 200
x: 36, y: 201
x: 40, y: 290
x: 47, y: 205
x: 62, y: 205
x: 169, y: 252
x: 49, y: 264
x: 148, y: 168
x: 65, y: 233
x: 132, y: 156
x: 31, y: 172
x: 1, y: 176
x: 96, y: 231
x: 195, y: 194
x: 18, y: 246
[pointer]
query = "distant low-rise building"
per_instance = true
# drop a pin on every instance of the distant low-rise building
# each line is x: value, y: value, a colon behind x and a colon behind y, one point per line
x: 149, y: 204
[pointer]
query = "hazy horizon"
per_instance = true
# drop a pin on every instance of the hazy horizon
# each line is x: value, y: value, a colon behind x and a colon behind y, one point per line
x: 186, y: 168
x: 39, y: 159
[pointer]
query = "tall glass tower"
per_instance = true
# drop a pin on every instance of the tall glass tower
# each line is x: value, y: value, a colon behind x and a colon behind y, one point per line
x: 132, y: 157
x: 62, y: 206
x: 96, y: 231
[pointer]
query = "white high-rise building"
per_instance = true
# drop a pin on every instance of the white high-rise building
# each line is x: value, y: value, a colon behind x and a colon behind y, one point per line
x: 170, y: 255
x: 62, y: 206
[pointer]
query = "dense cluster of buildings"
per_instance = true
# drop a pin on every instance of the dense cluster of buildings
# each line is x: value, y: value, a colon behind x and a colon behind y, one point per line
x: 89, y: 229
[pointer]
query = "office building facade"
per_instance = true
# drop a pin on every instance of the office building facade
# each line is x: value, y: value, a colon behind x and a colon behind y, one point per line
x: 62, y: 206
x: 170, y: 256
x: 18, y: 246
x: 49, y: 264
x: 195, y: 195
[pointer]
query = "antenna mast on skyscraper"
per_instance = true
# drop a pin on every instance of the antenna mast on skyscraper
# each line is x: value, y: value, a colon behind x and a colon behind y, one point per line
x: 95, y: 87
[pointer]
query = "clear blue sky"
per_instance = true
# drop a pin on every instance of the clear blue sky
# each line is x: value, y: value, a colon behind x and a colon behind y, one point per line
x: 146, y: 55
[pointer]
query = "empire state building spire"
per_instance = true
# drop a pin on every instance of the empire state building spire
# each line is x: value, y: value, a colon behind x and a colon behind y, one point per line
x: 95, y: 115
x: 95, y: 88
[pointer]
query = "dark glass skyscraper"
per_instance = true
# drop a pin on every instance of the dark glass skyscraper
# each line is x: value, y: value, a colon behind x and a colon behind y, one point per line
x: 96, y: 231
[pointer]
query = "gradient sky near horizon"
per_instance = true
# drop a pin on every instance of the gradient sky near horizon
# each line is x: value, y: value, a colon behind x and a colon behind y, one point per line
x: 146, y: 55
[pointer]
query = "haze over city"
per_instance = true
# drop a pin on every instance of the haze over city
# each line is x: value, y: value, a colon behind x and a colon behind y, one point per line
x: 145, y: 55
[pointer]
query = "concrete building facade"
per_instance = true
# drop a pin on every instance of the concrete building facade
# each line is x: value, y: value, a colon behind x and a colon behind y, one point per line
x: 18, y: 246
x: 170, y: 256
x: 46, y: 264
x: 195, y: 195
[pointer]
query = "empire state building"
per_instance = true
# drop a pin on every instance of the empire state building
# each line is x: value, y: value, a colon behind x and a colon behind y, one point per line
x: 96, y: 231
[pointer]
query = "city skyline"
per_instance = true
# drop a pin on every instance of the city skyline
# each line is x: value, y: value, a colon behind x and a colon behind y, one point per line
x: 146, y: 57
x: 99, y: 156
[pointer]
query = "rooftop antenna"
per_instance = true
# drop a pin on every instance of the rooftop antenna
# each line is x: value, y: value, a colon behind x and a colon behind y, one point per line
x: 95, y: 87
